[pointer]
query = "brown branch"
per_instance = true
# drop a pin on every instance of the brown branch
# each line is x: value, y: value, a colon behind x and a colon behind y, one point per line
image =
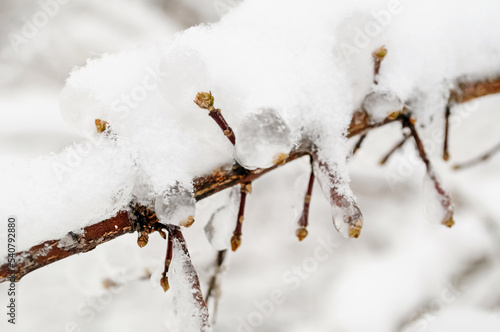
x: 378, y: 55
x: 52, y: 251
x: 444, y: 196
x: 246, y: 188
x: 304, y: 218
x: 191, y: 275
x: 468, y: 90
x: 358, y: 143
x: 205, y: 100
x: 478, y: 160
x: 168, y: 259
x: 394, y: 149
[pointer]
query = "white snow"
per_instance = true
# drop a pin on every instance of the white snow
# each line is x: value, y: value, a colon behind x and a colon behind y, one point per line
x: 304, y: 67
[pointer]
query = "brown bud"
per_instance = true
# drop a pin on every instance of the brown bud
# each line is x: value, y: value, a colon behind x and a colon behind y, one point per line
x: 143, y: 239
x: 355, y: 230
x: 235, y: 242
x: 101, y: 125
x: 449, y: 222
x: 301, y: 233
x: 163, y: 234
x: 205, y: 100
x: 164, y: 283
x: 379, y: 53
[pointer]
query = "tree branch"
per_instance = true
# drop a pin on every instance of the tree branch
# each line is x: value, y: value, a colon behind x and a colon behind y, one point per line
x: 125, y: 222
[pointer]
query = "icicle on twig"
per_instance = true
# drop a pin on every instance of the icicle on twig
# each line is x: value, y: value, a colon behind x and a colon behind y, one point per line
x: 479, y: 159
x: 304, y: 217
x: 246, y: 188
x: 447, y: 113
x: 180, y: 254
x: 445, y: 199
x: 346, y: 215
x: 378, y: 55
x: 176, y: 205
x: 359, y: 143
x: 220, y: 226
x: 395, y: 148
x: 205, y: 100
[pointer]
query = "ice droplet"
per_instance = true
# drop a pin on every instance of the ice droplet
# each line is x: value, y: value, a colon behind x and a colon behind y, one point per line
x: 220, y: 227
x: 261, y: 139
x: 380, y: 104
x: 176, y: 206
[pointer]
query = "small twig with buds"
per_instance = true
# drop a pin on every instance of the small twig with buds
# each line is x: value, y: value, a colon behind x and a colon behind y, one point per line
x: 304, y: 218
x: 205, y: 100
x: 395, y: 148
x: 146, y: 223
x: 408, y: 122
x: 378, y: 55
x: 479, y: 159
x: 353, y: 218
x: 246, y: 188
x: 174, y: 232
x: 168, y: 259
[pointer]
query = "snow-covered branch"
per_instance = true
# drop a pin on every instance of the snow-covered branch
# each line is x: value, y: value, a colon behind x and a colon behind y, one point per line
x: 126, y: 222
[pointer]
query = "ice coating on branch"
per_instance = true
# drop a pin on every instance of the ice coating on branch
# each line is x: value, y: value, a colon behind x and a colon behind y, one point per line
x: 380, y: 104
x: 311, y: 62
x: 264, y: 139
x: 176, y: 206
x: 346, y: 215
x: 437, y: 204
x: 187, y: 311
x: 220, y: 227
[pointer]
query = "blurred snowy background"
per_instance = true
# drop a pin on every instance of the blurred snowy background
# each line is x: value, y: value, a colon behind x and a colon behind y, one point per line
x: 402, y: 274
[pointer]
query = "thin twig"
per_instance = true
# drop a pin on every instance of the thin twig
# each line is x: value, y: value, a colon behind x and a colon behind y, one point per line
x: 168, y: 259
x: 378, y: 55
x: 445, y: 199
x: 304, y: 218
x: 246, y: 188
x: 52, y: 251
x: 205, y: 100
x: 191, y: 275
x: 394, y: 149
x: 478, y: 160
x: 358, y: 143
